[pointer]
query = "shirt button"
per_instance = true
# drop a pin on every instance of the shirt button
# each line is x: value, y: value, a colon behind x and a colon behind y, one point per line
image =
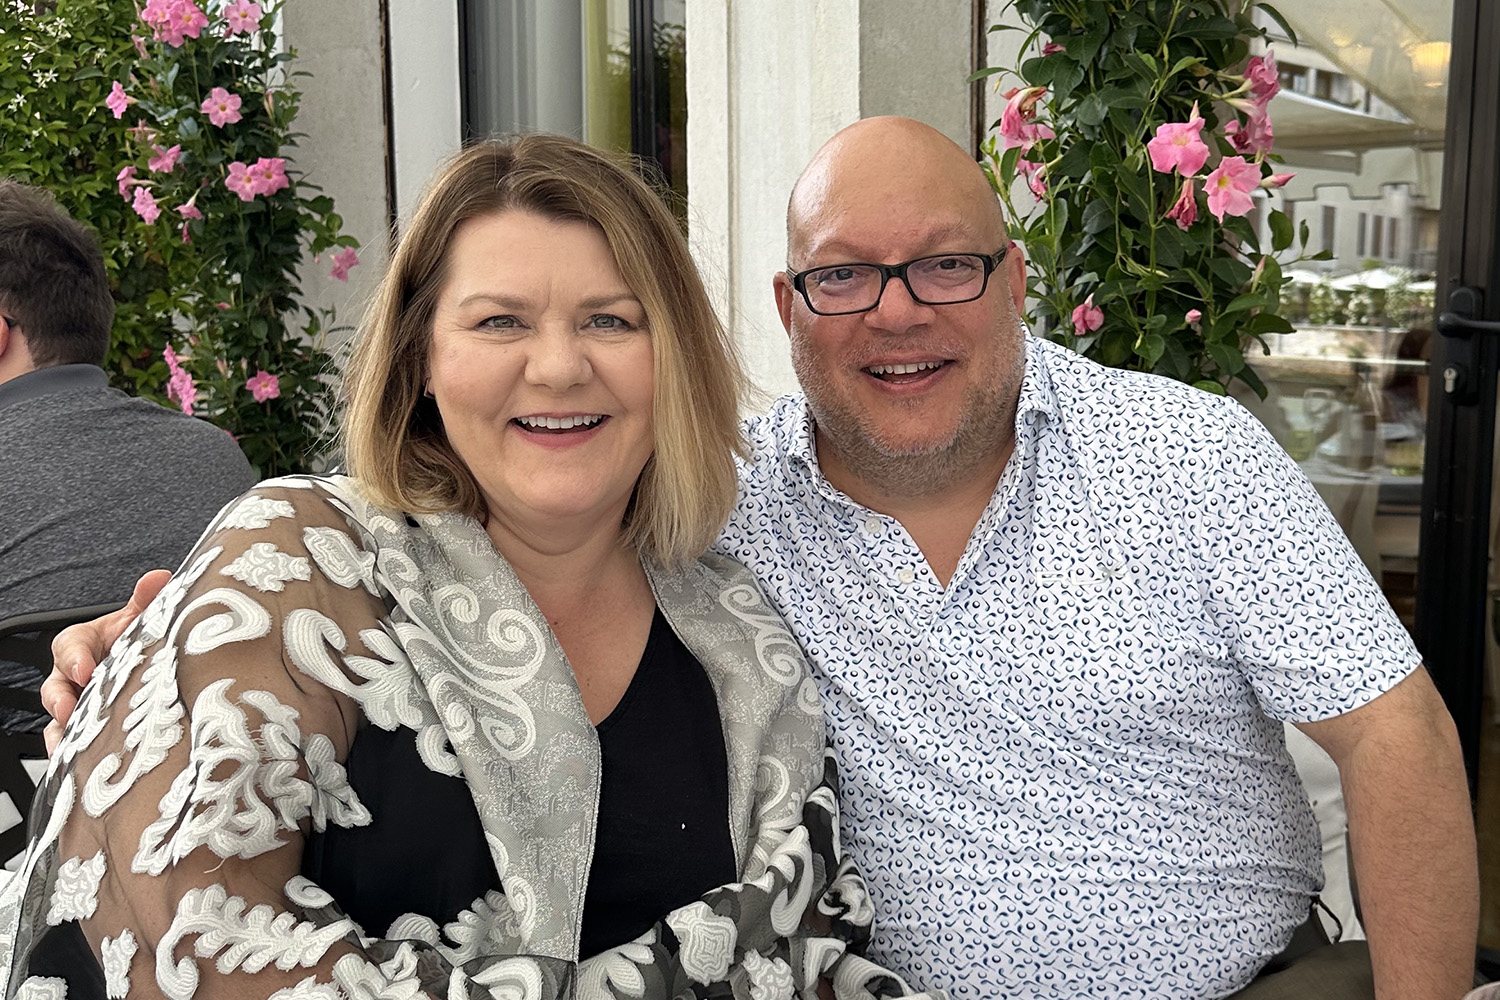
x: 872, y: 525
x: 906, y: 575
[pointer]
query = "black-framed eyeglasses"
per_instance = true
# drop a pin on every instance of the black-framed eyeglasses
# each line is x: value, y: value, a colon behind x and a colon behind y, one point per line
x: 936, y: 280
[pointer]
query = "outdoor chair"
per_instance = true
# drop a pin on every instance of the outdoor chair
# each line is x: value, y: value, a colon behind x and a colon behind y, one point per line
x: 27, y: 640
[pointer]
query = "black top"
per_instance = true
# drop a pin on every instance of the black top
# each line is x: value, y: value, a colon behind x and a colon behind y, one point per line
x: 663, y: 830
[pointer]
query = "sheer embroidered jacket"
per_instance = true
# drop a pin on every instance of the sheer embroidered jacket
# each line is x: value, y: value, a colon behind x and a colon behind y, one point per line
x: 210, y: 745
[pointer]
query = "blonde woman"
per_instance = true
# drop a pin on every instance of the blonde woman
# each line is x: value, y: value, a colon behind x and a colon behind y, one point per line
x: 480, y: 720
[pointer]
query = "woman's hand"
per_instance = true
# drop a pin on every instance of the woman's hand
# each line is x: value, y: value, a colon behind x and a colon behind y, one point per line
x: 78, y: 649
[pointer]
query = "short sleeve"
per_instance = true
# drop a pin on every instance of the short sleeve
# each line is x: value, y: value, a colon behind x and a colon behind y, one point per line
x: 1305, y: 620
x: 207, y: 747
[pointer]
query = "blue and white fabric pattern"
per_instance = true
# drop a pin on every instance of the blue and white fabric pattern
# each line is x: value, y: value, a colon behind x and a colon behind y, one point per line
x: 1064, y: 774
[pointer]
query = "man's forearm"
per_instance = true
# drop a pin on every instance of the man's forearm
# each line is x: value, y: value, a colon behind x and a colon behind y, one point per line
x: 1412, y: 838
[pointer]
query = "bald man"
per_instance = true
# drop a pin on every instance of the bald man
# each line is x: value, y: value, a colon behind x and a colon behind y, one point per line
x: 1056, y: 611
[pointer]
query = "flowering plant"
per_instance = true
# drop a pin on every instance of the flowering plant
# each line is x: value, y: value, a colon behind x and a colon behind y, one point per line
x: 1138, y: 259
x: 178, y: 159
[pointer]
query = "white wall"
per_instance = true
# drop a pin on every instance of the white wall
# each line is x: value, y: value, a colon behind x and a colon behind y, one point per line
x: 424, y: 93
x: 344, y: 152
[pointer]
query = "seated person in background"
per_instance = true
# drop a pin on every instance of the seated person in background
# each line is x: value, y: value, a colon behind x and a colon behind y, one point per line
x: 95, y: 486
x: 483, y: 720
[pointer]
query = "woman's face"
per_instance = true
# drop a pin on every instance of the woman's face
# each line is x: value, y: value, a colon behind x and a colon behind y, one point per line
x: 541, y: 366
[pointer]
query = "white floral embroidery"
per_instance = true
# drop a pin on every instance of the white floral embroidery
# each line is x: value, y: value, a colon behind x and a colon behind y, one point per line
x: 706, y: 941
x: 616, y: 973
x: 303, y: 891
x: 793, y: 858
x: 848, y: 895
x: 117, y: 954
x: 339, y: 558
x: 770, y: 978
x: 267, y: 568
x: 255, y: 512
x: 250, y: 940
x: 512, y: 979
x: 43, y: 988
x: 207, y: 806
x: 75, y: 895
x: 152, y: 728
x: 485, y: 928
x: 308, y: 989
x: 242, y: 620
x: 394, y: 979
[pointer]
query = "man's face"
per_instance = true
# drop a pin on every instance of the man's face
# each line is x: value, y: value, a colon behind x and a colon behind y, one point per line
x: 927, y: 387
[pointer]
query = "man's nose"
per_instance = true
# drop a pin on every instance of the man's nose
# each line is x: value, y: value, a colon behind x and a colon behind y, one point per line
x: 897, y: 311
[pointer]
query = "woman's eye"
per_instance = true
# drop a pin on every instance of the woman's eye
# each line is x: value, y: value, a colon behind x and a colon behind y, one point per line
x: 499, y: 323
x: 609, y: 321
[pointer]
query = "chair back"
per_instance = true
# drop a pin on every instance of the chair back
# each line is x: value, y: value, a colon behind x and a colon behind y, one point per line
x: 27, y: 640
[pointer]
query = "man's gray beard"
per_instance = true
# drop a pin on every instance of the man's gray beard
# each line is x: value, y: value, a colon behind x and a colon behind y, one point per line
x: 989, y: 422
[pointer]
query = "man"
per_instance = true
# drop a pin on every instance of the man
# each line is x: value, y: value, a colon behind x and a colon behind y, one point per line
x: 96, y: 487
x: 1050, y: 607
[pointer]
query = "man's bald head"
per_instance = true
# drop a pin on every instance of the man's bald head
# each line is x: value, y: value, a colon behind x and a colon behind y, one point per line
x: 887, y: 171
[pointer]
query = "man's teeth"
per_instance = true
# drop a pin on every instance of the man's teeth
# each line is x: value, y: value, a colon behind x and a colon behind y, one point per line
x: 903, y: 369
x: 560, y: 423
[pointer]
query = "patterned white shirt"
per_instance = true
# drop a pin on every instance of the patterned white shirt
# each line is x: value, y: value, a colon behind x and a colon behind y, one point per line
x: 1064, y: 774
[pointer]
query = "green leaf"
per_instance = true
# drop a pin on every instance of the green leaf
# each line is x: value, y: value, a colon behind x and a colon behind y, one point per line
x: 1227, y: 357
x: 1280, y: 21
x: 1230, y: 271
x: 88, y: 73
x: 1209, y: 385
x: 1091, y: 110
x: 1267, y: 322
x: 1098, y: 215
x: 1281, y: 231
x: 1151, y: 347
x: 1251, y: 300
x: 1303, y: 234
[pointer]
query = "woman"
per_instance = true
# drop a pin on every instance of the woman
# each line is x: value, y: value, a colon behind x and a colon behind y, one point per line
x: 481, y: 720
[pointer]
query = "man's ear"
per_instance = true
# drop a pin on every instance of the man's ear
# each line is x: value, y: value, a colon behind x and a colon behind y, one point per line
x: 1015, y: 264
x: 786, y: 297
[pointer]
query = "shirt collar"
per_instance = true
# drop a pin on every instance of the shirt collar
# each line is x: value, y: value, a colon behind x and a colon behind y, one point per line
x: 50, y: 380
x: 1037, y: 398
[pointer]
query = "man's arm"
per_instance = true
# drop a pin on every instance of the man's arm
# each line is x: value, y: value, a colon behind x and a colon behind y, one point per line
x: 1411, y: 833
x: 78, y: 649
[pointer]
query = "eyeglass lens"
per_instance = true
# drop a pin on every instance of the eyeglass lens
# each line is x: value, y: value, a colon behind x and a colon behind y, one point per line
x: 850, y: 287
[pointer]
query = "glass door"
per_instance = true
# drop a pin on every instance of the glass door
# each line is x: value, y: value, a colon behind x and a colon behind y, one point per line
x: 1385, y: 395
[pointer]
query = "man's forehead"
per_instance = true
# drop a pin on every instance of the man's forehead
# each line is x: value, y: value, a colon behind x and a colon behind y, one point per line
x: 878, y: 237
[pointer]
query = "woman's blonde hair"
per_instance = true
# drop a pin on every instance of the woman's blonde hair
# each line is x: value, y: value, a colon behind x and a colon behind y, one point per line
x: 392, y: 435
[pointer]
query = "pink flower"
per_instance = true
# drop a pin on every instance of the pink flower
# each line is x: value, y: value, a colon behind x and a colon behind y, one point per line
x: 223, y: 305
x: 239, y: 181
x: 141, y: 132
x: 1193, y: 316
x: 1276, y: 181
x: 186, y: 236
x: 180, y: 386
x: 1255, y: 137
x: 1051, y: 48
x: 1178, y: 147
x: 1035, y: 174
x: 263, y: 386
x: 1087, y: 317
x: 1263, y: 77
x: 268, y: 175
x: 1185, y: 211
x: 1020, y: 109
x: 222, y: 107
x: 1230, y: 185
x: 145, y: 205
x: 183, y: 21
x: 242, y: 16
x: 124, y: 181
x: 165, y: 160
x: 118, y: 100
x: 190, y: 209
x: 140, y: 45
x: 342, y: 262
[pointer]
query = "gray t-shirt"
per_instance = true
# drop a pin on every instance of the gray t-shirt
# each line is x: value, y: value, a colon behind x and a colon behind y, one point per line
x: 96, y: 487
